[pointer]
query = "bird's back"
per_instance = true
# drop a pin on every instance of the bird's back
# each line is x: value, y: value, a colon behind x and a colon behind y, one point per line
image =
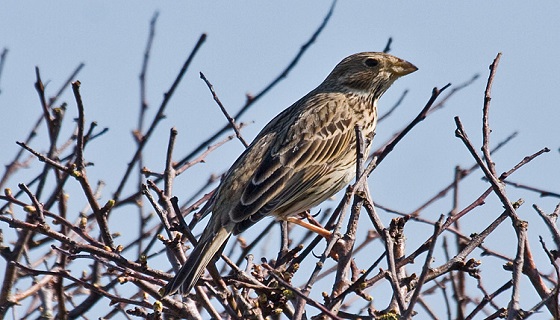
x: 303, y: 156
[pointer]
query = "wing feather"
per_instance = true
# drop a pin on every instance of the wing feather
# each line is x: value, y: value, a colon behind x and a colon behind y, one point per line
x: 302, y: 157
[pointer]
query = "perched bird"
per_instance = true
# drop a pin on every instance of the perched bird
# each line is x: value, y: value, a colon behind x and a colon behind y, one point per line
x: 303, y: 156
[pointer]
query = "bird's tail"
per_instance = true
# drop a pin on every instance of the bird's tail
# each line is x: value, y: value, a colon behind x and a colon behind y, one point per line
x: 208, y: 246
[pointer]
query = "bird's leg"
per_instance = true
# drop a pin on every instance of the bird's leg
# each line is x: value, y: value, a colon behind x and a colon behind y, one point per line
x: 311, y: 227
x: 318, y: 230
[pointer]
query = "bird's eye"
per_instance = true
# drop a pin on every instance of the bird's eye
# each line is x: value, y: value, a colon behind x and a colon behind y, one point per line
x: 370, y: 62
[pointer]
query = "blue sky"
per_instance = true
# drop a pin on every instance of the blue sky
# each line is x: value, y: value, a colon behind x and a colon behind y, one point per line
x: 250, y: 42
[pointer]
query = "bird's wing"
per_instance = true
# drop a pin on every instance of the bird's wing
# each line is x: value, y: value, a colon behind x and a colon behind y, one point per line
x: 301, y: 154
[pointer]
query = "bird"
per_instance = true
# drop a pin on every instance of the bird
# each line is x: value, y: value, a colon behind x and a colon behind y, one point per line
x: 303, y: 156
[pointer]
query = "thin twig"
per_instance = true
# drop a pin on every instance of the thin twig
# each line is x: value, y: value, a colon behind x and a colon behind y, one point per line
x: 100, y: 213
x: 496, y: 184
x: 345, y: 250
x: 556, y: 289
x: 550, y: 221
x: 38, y: 213
x: 81, y: 123
x: 144, y: 70
x: 485, y: 115
x: 513, y: 308
x: 169, y: 172
x: 392, y: 273
x: 388, y: 45
x: 158, y: 117
x: 464, y: 174
x: 425, y: 268
x: 44, y: 158
x: 157, y: 208
x: 66, y: 84
x: 475, y: 241
x: 94, y: 250
x: 137, y: 133
x: 394, y: 107
x: 487, y: 299
x: 380, y: 154
x: 40, y: 87
x: 224, y: 111
x: 3, y: 56
x: 203, y: 155
x: 300, y: 294
x: 540, y: 191
x: 16, y: 163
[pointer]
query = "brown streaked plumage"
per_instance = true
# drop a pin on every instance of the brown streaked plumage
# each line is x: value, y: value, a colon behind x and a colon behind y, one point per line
x: 303, y: 156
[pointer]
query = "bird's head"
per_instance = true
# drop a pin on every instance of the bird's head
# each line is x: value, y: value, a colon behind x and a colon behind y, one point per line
x: 368, y: 73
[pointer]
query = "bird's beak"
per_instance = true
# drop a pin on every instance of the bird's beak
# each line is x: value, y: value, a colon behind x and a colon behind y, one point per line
x: 402, y: 68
